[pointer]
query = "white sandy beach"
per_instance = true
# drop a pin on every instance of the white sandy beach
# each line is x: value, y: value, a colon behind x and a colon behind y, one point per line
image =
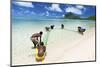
x: 62, y: 46
x: 77, y: 48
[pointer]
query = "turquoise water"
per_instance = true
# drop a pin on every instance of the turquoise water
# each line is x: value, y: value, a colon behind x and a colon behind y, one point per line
x: 23, y: 29
x: 40, y: 24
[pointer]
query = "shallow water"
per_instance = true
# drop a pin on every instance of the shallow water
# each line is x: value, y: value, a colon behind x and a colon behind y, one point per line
x: 23, y: 29
x: 37, y: 25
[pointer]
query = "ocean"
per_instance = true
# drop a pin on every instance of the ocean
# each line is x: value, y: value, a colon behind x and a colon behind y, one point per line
x: 22, y: 30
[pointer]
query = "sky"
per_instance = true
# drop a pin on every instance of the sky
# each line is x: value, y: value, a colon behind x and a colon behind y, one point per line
x: 40, y: 9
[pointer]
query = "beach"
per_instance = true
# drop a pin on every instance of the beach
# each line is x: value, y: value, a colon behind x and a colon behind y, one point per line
x: 82, y: 48
x: 62, y: 45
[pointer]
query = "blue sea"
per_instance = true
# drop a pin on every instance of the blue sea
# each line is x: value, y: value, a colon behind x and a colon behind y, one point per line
x: 22, y: 29
x: 39, y: 24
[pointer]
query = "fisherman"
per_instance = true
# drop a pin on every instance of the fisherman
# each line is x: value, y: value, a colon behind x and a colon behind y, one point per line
x: 40, y: 52
x: 81, y: 30
x: 34, y: 38
x: 52, y: 26
x: 47, y: 28
x: 62, y: 26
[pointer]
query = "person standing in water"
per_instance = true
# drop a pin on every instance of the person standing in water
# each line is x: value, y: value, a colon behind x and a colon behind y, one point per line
x: 47, y: 28
x: 62, y: 26
x: 52, y: 26
x: 34, y: 38
x: 81, y: 30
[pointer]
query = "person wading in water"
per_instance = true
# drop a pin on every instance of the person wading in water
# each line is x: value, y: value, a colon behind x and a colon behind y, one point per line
x: 81, y: 30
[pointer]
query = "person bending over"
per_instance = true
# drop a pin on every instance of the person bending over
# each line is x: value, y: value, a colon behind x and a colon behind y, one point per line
x: 35, y: 38
x: 52, y: 26
x: 81, y: 30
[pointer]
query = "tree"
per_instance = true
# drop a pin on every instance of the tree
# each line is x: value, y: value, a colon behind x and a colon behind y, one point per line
x: 71, y: 16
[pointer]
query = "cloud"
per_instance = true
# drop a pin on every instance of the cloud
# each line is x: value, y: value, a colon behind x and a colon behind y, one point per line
x: 26, y: 11
x: 13, y: 10
x: 33, y: 12
x: 20, y: 13
x: 74, y: 10
x: 80, y: 7
x: 47, y: 13
x: 42, y: 14
x: 63, y: 15
x: 25, y: 4
x: 55, y: 7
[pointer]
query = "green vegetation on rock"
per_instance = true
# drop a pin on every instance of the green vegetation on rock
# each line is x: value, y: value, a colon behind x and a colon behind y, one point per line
x: 74, y: 16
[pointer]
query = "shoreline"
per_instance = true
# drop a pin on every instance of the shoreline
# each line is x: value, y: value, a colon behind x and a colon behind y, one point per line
x: 62, y: 47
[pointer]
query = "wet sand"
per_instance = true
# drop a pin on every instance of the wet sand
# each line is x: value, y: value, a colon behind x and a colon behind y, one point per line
x: 62, y: 46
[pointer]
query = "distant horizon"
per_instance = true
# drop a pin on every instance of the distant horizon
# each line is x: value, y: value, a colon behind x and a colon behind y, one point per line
x: 50, y: 10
